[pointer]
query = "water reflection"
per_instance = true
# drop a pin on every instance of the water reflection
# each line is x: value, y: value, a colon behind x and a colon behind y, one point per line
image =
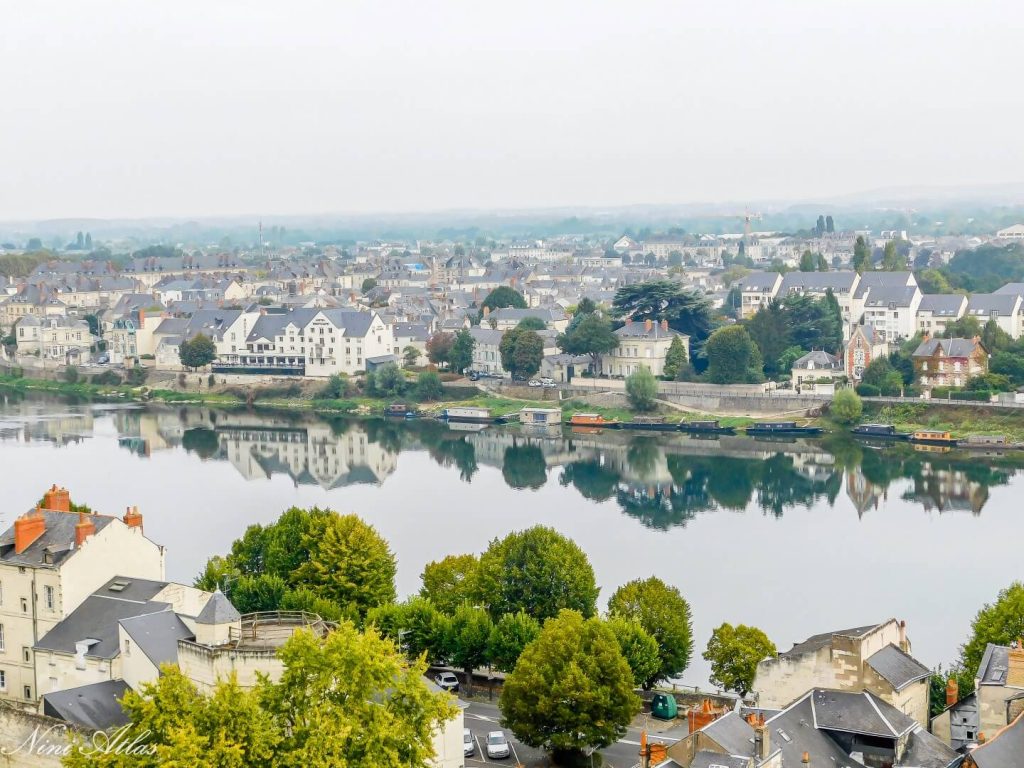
x: 663, y: 481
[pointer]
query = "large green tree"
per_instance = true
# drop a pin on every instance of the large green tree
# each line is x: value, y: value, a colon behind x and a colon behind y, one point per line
x: 460, y: 356
x: 511, y: 634
x: 639, y: 648
x: 592, y: 335
x: 197, y: 352
x: 522, y: 351
x: 733, y: 358
x: 451, y: 581
x: 539, y: 571
x: 664, y: 613
x: 467, y: 637
x: 734, y: 653
x: 686, y: 310
x: 571, y: 690
x: 677, y: 359
x: 642, y: 389
x: 503, y: 296
x: 999, y: 623
x: 862, y: 259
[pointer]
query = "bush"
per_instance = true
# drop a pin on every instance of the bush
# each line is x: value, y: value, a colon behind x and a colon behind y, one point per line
x: 136, y: 376
x: 977, y: 396
x: 336, y: 388
x: 642, y: 389
x: 71, y: 374
x: 428, y: 386
x: 211, y: 380
x: 868, y: 390
x: 846, y: 407
x: 107, y: 378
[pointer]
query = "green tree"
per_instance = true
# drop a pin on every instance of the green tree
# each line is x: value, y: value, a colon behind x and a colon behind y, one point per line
x: 592, y: 335
x: 461, y: 355
x: 687, y: 311
x: 350, y: 564
x: 967, y: 327
x: 410, y: 355
x: 573, y: 660
x: 999, y: 623
x: 369, y: 284
x: 538, y: 571
x: 807, y: 262
x: 994, y: 338
x: 933, y: 281
x: 197, y: 352
x: 665, y: 614
x: 769, y: 329
x: 451, y: 581
x: 503, y: 296
x: 510, y: 636
x: 522, y: 351
x: 439, y: 347
x: 467, y: 640
x: 415, y: 625
x: 429, y: 386
x: 733, y: 358
x: 676, y: 359
x: 892, y: 261
x: 861, y: 261
x: 846, y: 407
x: 734, y: 653
x: 642, y: 389
x: 586, y: 306
x: 532, y: 324
x: 638, y: 647
x: 387, y: 381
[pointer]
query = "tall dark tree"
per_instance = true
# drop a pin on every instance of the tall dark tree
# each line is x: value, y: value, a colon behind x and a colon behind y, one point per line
x: 592, y: 335
x: 861, y: 255
x: 503, y: 296
x: 460, y: 357
x: 830, y: 225
x: 819, y: 227
x: 685, y: 310
x: 522, y: 351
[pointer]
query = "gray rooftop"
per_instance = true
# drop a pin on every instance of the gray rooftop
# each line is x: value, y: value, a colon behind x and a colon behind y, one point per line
x: 705, y: 759
x: 818, y: 282
x: 95, y: 707
x: 869, y: 281
x: 817, y: 642
x: 942, y: 304
x: 897, y: 667
x: 949, y: 348
x: 897, y: 295
x: 95, y: 621
x: 821, y: 360
x: 758, y: 281
x: 994, y: 665
x: 218, y: 610
x: 157, y: 635
x: 993, y: 304
x: 55, y: 544
x: 862, y: 713
x: 732, y: 733
x: 1004, y: 749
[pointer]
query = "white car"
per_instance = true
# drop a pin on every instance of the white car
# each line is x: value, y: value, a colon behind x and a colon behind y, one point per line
x: 447, y: 680
x: 468, y: 744
x: 497, y: 745
x: 533, y: 383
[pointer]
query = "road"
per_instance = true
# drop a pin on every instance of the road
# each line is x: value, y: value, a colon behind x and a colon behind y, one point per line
x: 482, y: 717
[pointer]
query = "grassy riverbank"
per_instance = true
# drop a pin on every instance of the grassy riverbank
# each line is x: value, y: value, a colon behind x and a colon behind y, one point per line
x: 960, y: 420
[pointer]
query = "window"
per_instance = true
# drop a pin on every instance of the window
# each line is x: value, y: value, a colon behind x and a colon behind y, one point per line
x: 3, y: 680
x: 24, y: 605
x: 51, y: 601
x: 127, y: 647
x: 26, y: 653
x: 2, y: 647
x: 28, y: 691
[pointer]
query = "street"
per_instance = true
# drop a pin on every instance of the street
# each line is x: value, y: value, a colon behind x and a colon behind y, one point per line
x: 482, y: 717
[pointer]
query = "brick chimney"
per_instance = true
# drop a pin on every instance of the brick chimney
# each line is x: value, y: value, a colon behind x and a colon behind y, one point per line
x: 762, y: 741
x: 664, y: 325
x: 27, y: 529
x: 1015, y: 671
x: 133, y: 518
x: 806, y: 759
x: 648, y: 324
x: 84, y: 528
x: 904, y: 645
x: 57, y: 499
x: 952, y: 692
x: 487, y: 311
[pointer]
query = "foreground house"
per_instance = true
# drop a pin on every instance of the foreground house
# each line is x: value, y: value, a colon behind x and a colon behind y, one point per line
x: 641, y: 345
x: 874, y: 658
x: 865, y: 345
x: 1004, y: 750
x: 817, y: 371
x: 949, y: 362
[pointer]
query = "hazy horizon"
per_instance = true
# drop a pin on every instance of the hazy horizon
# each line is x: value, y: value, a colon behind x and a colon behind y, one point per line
x: 119, y: 110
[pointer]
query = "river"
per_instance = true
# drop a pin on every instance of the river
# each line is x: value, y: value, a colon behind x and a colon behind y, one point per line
x: 796, y: 537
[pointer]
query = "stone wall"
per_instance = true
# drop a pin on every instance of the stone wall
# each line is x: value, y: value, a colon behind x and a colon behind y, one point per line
x: 28, y: 740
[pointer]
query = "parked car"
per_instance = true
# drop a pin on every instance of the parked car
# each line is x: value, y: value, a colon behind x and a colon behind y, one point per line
x: 103, y: 359
x: 468, y: 743
x: 447, y: 680
x: 534, y: 383
x: 497, y: 745
x: 548, y: 382
x: 474, y: 376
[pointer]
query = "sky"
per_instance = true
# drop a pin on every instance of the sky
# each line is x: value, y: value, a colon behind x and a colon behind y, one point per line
x: 119, y: 109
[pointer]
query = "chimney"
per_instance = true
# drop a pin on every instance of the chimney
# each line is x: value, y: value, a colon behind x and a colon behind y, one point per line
x: 57, y: 499
x: 132, y: 518
x: 762, y: 741
x: 648, y: 324
x: 629, y: 321
x: 976, y: 339
x: 904, y: 645
x: 487, y: 311
x: 84, y: 529
x: 806, y: 759
x: 1015, y: 672
x: 27, y: 529
x: 952, y: 692
x: 664, y: 325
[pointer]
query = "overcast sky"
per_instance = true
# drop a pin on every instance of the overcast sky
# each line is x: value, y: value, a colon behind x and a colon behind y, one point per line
x: 208, y: 107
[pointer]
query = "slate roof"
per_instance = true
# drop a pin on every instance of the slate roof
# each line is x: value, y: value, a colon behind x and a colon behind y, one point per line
x: 994, y: 665
x: 883, y: 296
x: 871, y: 281
x: 732, y: 733
x: 1004, y: 749
x: 218, y: 610
x: 96, y: 619
x: 411, y: 331
x: 1014, y: 288
x: 862, y: 713
x: 950, y: 347
x: 793, y: 731
x: 821, y: 359
x: 838, y: 282
x: 897, y: 667
x: 157, y: 635
x: 989, y: 304
x: 637, y: 330
x: 705, y: 759
x: 817, y: 642
x: 758, y: 281
x: 352, y: 322
x: 513, y: 313
x: 941, y: 304
x: 57, y: 540
x: 95, y: 707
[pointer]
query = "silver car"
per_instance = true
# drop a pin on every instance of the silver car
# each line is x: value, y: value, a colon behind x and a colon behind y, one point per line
x: 468, y: 743
x: 497, y: 745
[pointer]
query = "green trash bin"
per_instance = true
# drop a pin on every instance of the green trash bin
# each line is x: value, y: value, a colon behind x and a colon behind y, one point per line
x: 663, y: 706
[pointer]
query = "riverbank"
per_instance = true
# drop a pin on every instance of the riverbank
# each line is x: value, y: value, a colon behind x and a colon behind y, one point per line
x: 962, y: 421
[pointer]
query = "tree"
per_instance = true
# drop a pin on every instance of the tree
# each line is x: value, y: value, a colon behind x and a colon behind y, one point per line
x: 846, y: 407
x: 352, y: 698
x: 503, y: 296
x: 415, y: 625
x: 532, y: 324
x: 830, y: 225
x: 687, y: 311
x: 807, y: 262
x: 586, y: 306
x: 994, y: 338
x: 892, y: 261
x: 451, y: 581
x: 676, y: 359
x: 410, y: 355
x: 933, y: 281
x: 733, y: 358
x: 351, y: 564
x: 642, y: 389
x: 665, y: 614
x: 522, y: 351
x: 510, y: 636
x: 439, y: 347
x: 386, y: 381
x: 819, y: 227
x: 769, y: 330
x: 638, y: 647
x: 429, y: 386
x: 592, y: 335
x: 813, y: 323
x: 861, y: 261
x: 734, y: 653
x: 197, y: 352
x: 571, y: 690
x: 466, y: 640
x: 369, y: 284
x: 460, y: 357
x: 538, y: 571
x: 675, y: 259
x: 967, y: 327
x: 999, y: 623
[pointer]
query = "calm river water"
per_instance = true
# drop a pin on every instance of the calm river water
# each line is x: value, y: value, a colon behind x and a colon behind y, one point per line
x: 794, y: 537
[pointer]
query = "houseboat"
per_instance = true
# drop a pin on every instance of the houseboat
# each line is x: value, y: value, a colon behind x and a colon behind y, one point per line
x: 540, y: 417
x: 591, y: 420
x: 879, y: 432
x: 653, y: 423
x: 399, y: 411
x: 468, y: 415
x: 788, y: 428
x: 705, y: 427
x: 937, y: 437
x: 983, y: 442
